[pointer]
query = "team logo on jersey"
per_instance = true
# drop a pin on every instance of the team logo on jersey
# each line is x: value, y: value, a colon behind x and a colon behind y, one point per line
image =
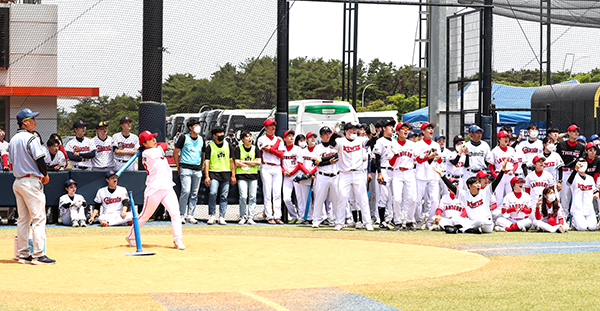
x: 476, y: 153
x: 539, y: 184
x: 475, y: 204
x: 101, y: 148
x: 500, y: 160
x: 126, y: 145
x: 549, y: 164
x: 248, y: 158
x: 221, y: 155
x: 406, y: 153
x: 81, y: 149
x: 530, y: 150
x: 570, y: 153
x: 350, y: 149
x: 111, y: 200
x: 518, y: 206
x: 327, y: 154
x: 454, y: 208
x: 585, y: 187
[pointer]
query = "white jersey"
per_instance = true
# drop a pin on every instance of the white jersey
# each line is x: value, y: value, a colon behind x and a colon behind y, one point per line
x: 425, y: 170
x: 478, y: 207
x: 308, y: 157
x: 407, y: 154
x: 268, y: 157
x: 291, y: 158
x: 451, y: 208
x: 160, y: 175
x: 477, y: 155
x: 65, y: 199
x: 517, y: 208
x: 560, y: 214
x: 350, y: 153
x: 554, y: 163
x: 59, y: 159
x: 519, y: 160
x: 131, y: 143
x: 497, y: 156
x: 321, y: 151
x: 383, y: 148
x: 458, y: 169
x: 85, y: 146
x: 104, y: 154
x: 446, y: 155
x: 367, y: 154
x: 583, y: 195
x: 537, y: 183
x: 111, y: 202
x: 530, y: 150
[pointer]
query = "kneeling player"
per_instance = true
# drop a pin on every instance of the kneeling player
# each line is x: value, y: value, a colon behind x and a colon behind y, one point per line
x: 549, y: 215
x: 114, y: 201
x: 516, y: 208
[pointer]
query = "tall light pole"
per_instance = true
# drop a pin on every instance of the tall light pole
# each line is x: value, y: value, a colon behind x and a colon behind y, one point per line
x: 362, y: 103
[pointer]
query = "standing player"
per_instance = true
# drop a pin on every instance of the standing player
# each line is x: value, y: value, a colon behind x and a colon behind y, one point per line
x: 103, y: 161
x: 403, y: 178
x: 382, y: 152
x: 326, y: 181
x: 478, y: 153
x: 584, y: 191
x: 427, y: 182
x: 159, y: 188
x: 553, y: 163
x: 352, y: 175
x: 81, y: 150
x: 309, y: 156
x: 496, y: 157
x: 271, y: 150
x: 570, y: 151
x: 516, y: 209
x: 538, y: 180
x: 125, y: 144
x: 530, y: 148
x: 290, y: 167
x: 458, y: 160
x: 30, y: 173
x: 113, y: 200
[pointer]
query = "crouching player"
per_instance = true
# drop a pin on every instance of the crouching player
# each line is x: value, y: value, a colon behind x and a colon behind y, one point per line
x: 159, y: 188
x: 584, y: 190
x: 516, y: 208
x: 72, y: 206
x: 114, y: 201
x: 549, y: 215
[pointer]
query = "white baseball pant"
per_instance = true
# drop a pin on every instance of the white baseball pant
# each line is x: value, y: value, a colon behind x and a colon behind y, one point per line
x: 503, y: 188
x: 77, y: 213
x: 288, y: 186
x: 384, y: 192
x: 272, y: 179
x: 428, y: 190
x: 303, y: 198
x: 404, y: 188
x: 373, y: 196
x: 582, y: 223
x: 547, y: 227
x: 114, y: 219
x: 169, y: 200
x: 566, y: 193
x: 507, y: 222
x: 486, y: 225
x: 453, y: 222
x: 351, y: 181
x: 324, y: 185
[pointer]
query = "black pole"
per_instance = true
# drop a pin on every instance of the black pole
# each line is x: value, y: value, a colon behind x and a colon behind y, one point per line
x: 355, y: 61
x: 152, y: 48
x: 344, y: 56
x: 548, y: 46
x: 281, y: 115
x: 487, y: 58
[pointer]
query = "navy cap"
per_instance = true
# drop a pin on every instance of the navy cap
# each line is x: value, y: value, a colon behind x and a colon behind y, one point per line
x: 101, y: 124
x: 78, y: 123
x: 108, y: 174
x: 70, y: 182
x: 474, y: 128
x: 350, y: 125
x: 325, y: 129
x: 438, y: 136
x: 412, y: 134
x: 26, y: 113
x: 124, y: 119
x: 391, y: 122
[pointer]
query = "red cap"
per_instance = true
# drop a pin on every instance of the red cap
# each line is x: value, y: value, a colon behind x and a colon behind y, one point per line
x: 269, y: 122
x: 311, y: 134
x: 426, y: 124
x: 502, y: 134
x: 516, y: 180
x: 146, y: 135
x: 288, y: 132
x: 538, y: 158
x: 573, y: 128
x: 590, y: 145
x: 481, y: 174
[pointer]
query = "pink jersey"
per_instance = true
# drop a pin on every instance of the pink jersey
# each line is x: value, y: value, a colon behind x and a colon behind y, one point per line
x: 160, y: 174
x: 406, y: 154
x: 291, y: 158
x: 518, y: 208
x: 536, y: 182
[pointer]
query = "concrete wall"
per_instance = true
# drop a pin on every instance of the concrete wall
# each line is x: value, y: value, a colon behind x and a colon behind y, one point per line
x: 46, y: 120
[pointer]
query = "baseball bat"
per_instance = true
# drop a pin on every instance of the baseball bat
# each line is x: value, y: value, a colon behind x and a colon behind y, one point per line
x: 136, y: 228
x: 308, y: 200
x: 122, y: 169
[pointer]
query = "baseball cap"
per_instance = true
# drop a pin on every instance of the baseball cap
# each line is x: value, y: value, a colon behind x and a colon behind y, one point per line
x: 573, y: 128
x: 101, y: 124
x: 593, y: 137
x: 70, y: 182
x: 427, y: 124
x: 590, y: 145
x: 364, y: 125
x: 288, y: 132
x: 146, y: 135
x: 25, y: 114
x: 481, y: 174
x: 78, y: 123
x: 350, y: 125
x: 405, y: 124
x: 538, y: 158
x: 391, y: 122
x: 192, y: 122
x: 109, y: 173
x: 438, y: 136
x: 458, y: 138
x: 269, y: 122
x: 516, y: 180
x: 474, y: 128
x: 311, y: 134
x: 502, y: 134
x: 325, y: 129
x: 412, y: 134
x: 124, y: 119
x: 581, y: 137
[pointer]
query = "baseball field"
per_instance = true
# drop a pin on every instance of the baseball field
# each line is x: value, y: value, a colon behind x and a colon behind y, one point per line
x: 300, y: 268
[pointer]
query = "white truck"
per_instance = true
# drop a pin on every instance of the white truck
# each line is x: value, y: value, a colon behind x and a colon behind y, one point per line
x: 312, y: 114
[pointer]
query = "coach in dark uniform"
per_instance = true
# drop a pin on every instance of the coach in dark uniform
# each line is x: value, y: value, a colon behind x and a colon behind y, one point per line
x: 31, y: 175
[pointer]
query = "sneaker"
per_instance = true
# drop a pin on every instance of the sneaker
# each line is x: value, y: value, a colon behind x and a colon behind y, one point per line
x: 369, y: 227
x: 359, y: 225
x: 429, y: 227
x: 450, y: 229
x: 191, y: 220
x: 251, y: 221
x: 397, y: 228
x: 279, y: 222
x: 561, y: 229
x: 271, y: 221
x: 25, y: 260
x: 222, y: 221
x: 292, y: 221
x: 44, y: 260
x: 419, y: 225
x: 384, y: 226
x: 325, y: 222
x: 316, y: 224
x: 105, y: 224
x: 130, y: 223
x: 131, y: 243
x: 242, y: 221
x: 182, y: 219
x: 350, y: 223
x: 524, y: 229
x: 410, y: 226
x: 82, y: 223
x: 75, y: 223
x: 211, y: 220
x: 179, y: 245
x: 338, y: 227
